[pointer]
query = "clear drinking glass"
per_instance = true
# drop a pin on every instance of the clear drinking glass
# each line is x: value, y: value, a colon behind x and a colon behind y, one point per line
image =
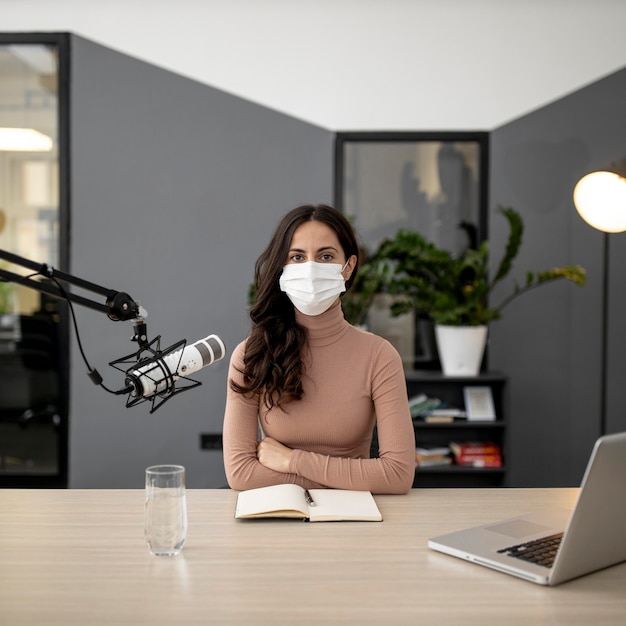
x: 166, y: 509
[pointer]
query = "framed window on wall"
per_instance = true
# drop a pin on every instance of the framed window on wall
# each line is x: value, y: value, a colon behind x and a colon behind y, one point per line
x: 34, y: 204
x: 434, y: 183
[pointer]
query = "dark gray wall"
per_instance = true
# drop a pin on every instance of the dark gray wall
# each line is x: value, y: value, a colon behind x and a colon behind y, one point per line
x: 175, y: 190
x: 549, y: 340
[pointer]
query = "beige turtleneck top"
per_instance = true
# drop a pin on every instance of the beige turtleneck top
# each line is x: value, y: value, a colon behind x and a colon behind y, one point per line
x: 353, y: 381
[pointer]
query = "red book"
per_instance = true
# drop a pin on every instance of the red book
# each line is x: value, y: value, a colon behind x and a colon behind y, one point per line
x: 479, y: 460
x: 474, y: 447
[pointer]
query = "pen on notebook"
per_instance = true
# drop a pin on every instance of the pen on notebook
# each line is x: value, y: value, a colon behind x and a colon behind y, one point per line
x: 308, y: 497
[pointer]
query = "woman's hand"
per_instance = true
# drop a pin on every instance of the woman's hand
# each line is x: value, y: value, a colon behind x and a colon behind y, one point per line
x: 274, y: 455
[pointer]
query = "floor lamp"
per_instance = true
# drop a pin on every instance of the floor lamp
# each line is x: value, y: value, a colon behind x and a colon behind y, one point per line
x: 600, y: 199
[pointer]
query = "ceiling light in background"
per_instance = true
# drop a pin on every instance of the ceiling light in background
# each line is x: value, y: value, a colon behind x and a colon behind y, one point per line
x: 42, y: 59
x: 600, y: 199
x: 24, y: 140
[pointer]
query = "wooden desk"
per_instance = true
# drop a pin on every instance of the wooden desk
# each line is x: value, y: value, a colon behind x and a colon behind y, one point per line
x: 79, y: 557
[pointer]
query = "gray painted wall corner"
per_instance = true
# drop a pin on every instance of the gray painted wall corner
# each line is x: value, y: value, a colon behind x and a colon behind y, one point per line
x: 549, y: 341
x: 175, y: 189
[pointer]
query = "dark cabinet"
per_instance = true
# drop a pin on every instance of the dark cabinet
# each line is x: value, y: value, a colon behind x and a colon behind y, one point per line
x: 451, y: 391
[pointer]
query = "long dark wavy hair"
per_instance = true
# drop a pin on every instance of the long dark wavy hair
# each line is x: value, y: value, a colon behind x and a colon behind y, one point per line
x: 273, y: 365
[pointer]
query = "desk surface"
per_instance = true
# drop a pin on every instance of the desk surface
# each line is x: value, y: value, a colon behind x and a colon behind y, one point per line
x: 79, y: 557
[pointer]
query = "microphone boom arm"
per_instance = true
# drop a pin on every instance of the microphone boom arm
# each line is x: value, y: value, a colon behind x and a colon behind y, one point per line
x: 119, y: 306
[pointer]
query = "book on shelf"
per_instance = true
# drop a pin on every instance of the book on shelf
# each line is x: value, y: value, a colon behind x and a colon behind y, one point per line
x: 314, y: 505
x: 437, y: 419
x: 420, y: 405
x: 434, y: 462
x: 432, y: 457
x: 476, y: 453
x: 433, y: 410
x: 474, y: 447
x: 443, y: 415
x: 477, y: 460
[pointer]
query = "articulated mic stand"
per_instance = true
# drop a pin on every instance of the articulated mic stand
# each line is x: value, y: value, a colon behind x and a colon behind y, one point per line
x: 119, y: 306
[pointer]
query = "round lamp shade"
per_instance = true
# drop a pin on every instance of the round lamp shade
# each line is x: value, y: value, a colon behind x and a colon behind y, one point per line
x: 600, y: 199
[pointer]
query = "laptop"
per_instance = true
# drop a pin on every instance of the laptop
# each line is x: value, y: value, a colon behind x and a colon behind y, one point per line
x: 590, y: 537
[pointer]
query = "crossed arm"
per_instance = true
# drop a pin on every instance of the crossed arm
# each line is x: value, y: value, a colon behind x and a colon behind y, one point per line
x: 253, y: 459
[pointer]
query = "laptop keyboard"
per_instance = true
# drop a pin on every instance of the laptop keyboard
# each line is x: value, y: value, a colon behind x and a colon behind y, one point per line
x: 540, y: 551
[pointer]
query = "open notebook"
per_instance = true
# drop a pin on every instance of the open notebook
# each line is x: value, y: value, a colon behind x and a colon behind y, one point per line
x: 314, y: 505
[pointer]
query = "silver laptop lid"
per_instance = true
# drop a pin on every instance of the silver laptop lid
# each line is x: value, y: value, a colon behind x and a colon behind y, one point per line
x: 595, y: 536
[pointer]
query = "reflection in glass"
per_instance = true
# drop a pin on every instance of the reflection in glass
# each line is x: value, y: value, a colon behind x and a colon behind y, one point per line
x: 432, y: 183
x: 427, y: 186
x: 29, y: 227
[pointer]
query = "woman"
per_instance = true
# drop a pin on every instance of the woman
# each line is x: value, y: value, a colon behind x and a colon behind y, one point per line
x: 306, y: 388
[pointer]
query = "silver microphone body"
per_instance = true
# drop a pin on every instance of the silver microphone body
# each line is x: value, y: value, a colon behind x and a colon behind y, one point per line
x: 158, y: 375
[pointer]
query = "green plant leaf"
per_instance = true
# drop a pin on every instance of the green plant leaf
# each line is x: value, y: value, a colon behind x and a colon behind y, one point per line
x: 456, y: 291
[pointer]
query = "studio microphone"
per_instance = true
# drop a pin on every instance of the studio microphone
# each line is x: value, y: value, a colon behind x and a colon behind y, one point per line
x: 159, y: 374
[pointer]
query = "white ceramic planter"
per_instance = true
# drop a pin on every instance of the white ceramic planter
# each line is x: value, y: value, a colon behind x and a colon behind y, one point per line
x: 461, y: 349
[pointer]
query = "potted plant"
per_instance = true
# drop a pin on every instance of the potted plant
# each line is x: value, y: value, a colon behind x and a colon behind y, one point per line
x: 370, y: 281
x: 454, y: 292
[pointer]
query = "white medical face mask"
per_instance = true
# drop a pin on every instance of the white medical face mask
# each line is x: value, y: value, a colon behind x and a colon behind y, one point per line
x: 312, y: 287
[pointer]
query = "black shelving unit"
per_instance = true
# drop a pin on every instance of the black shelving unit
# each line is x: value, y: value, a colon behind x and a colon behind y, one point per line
x: 450, y: 390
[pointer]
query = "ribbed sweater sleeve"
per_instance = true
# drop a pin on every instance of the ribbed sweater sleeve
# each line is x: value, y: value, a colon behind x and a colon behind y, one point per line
x: 354, y: 380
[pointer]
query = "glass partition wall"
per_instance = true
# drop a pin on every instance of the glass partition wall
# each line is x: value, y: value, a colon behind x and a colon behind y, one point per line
x: 33, y: 328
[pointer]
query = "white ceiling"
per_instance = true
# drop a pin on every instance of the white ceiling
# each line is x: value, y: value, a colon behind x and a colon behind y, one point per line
x: 361, y: 64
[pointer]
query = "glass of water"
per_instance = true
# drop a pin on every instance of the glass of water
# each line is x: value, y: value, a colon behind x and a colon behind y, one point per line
x: 166, y: 509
